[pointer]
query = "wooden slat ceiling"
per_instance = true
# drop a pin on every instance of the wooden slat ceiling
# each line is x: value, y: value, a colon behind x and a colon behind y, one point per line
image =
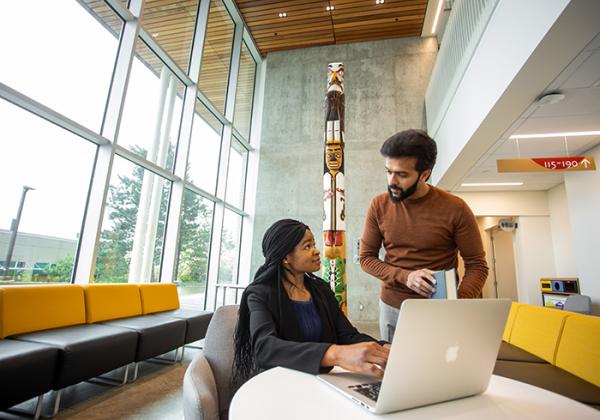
x: 309, y: 24
x: 171, y: 23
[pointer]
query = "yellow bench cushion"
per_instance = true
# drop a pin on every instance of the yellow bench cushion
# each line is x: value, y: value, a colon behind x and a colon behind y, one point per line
x: 579, y: 347
x: 537, y: 330
x: 512, y: 315
x: 158, y: 297
x: 111, y: 301
x: 25, y: 309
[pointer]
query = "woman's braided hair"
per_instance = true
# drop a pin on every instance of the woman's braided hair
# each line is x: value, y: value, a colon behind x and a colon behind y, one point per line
x: 279, y: 240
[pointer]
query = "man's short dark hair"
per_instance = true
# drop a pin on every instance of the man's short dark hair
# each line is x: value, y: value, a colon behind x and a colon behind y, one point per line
x: 412, y: 143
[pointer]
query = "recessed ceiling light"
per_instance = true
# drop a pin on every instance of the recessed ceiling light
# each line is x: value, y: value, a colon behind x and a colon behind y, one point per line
x: 282, y: 14
x: 491, y: 184
x: 437, y: 16
x: 549, y: 135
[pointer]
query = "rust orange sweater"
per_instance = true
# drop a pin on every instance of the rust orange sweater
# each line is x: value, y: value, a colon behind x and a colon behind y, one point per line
x: 427, y: 232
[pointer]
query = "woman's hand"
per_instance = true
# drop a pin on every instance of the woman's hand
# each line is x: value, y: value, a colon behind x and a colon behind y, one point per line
x: 369, y: 357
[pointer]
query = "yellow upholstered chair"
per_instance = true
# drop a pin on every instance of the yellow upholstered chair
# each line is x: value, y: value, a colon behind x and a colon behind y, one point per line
x: 55, y: 316
x: 538, y: 330
x: 158, y: 297
x: 120, y: 305
x: 579, y: 347
x: 104, y: 302
x: 510, y: 322
x: 25, y: 309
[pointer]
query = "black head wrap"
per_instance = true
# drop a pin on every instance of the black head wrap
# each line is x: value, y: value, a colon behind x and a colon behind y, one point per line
x: 280, y: 239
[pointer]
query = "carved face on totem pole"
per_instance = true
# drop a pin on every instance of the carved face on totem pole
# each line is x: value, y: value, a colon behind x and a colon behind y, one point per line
x: 333, y: 157
x: 334, y: 200
x: 335, y: 76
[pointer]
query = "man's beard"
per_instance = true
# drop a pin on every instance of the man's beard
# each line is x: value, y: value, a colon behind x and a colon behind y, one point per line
x: 404, y: 193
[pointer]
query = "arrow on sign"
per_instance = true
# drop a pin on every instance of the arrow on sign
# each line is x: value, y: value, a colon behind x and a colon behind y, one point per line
x: 547, y: 164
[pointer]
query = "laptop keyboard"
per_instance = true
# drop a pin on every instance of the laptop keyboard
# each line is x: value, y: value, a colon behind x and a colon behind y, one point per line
x: 368, y: 390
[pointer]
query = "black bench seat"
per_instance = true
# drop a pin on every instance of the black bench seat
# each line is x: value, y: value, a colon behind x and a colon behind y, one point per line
x: 86, y: 351
x: 156, y: 334
x: 26, y: 370
x: 196, y: 322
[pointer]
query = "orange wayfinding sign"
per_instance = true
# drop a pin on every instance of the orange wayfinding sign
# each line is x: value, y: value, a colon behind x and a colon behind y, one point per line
x: 550, y: 164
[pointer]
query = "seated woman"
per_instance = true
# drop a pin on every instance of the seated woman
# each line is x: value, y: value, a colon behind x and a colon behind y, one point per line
x: 289, y: 317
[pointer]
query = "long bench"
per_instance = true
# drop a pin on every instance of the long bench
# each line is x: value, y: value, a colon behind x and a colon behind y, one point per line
x: 552, y: 349
x: 69, y: 333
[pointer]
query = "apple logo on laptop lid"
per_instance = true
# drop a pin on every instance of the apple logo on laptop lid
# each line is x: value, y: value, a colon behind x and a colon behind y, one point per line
x: 452, y: 353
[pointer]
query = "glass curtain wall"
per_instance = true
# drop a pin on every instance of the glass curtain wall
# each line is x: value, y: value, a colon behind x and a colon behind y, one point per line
x: 244, y: 94
x: 126, y: 130
x: 50, y: 187
x: 214, y: 72
x: 46, y: 169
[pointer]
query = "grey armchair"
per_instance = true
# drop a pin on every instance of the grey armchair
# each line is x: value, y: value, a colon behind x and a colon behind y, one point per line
x: 578, y: 303
x: 207, y: 381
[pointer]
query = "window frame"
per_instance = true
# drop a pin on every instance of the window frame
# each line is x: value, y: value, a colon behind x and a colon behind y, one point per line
x: 107, y: 149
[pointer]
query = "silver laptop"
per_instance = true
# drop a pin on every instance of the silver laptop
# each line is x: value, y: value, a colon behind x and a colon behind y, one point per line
x: 442, y: 350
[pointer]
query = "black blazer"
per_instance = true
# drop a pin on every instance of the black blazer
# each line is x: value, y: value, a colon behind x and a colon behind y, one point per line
x: 276, y: 337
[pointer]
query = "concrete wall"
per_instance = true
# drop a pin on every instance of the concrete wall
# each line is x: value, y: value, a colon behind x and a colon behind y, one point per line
x: 385, y: 86
x: 583, y: 195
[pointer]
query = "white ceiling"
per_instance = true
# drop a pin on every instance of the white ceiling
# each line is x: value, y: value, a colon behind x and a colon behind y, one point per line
x: 579, y: 111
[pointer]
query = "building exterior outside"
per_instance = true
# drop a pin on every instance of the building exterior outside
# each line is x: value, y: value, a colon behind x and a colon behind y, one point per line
x: 35, y: 257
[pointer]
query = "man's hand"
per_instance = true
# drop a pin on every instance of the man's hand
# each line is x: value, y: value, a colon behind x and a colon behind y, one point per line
x: 417, y: 281
x: 369, y: 357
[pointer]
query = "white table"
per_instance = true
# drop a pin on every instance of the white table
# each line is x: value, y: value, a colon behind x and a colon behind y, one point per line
x: 281, y: 393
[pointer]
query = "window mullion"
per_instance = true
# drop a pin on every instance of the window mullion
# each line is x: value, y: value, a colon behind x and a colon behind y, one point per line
x: 245, y: 274
x: 234, y: 70
x: 48, y: 114
x: 171, y: 248
x: 87, y: 250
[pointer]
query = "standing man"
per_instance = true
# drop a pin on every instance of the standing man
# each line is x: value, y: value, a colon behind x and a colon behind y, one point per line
x: 422, y: 229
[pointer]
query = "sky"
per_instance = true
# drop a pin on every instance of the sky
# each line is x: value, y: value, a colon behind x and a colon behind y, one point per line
x: 70, y: 74
x: 66, y: 63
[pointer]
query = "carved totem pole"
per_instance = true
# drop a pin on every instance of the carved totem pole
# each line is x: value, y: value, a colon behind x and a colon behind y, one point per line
x: 334, y: 193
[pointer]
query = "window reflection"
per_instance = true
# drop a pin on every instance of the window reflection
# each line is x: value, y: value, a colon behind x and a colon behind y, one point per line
x: 230, y: 248
x: 205, y: 148
x: 194, y: 248
x: 134, y: 224
x: 214, y: 72
x: 171, y: 23
x: 152, y: 112
x: 245, y: 92
x: 236, y: 177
